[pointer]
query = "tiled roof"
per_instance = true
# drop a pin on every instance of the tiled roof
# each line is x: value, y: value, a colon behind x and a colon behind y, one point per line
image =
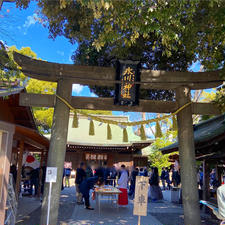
x: 205, y: 133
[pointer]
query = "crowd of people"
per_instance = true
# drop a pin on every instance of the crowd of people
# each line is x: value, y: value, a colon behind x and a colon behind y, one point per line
x: 87, y: 177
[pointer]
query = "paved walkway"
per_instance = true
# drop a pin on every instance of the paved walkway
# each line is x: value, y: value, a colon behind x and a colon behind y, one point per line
x: 70, y: 213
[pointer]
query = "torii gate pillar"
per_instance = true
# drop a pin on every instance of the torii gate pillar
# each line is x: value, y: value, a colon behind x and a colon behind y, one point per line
x: 187, y: 159
x: 57, y: 150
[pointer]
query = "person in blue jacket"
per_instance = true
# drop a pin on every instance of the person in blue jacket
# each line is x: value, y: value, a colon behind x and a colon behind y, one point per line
x: 86, y: 186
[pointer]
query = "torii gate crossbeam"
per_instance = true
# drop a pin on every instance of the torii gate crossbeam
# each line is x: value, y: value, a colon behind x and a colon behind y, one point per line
x: 65, y: 75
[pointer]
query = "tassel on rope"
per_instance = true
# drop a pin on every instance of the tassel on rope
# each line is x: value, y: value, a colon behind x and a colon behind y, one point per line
x: 158, y: 131
x: 109, y: 132
x: 174, y: 123
x: 142, y: 130
x: 91, y: 128
x: 75, y: 120
x: 125, y: 136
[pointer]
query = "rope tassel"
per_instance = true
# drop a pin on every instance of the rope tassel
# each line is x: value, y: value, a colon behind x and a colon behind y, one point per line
x: 158, y: 131
x: 109, y: 132
x: 91, y: 128
x: 75, y: 120
x: 174, y: 123
x: 125, y: 136
x: 142, y: 130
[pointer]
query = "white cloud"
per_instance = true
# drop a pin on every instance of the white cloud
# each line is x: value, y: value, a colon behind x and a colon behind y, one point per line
x: 93, y: 95
x: 31, y: 20
x: 77, y: 88
x: 60, y: 53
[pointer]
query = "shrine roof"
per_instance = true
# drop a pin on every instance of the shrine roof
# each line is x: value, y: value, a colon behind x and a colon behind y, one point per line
x: 208, y: 136
x: 13, y: 112
x: 80, y: 136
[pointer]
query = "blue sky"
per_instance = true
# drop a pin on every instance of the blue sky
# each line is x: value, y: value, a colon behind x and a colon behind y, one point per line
x: 23, y: 30
x: 20, y: 28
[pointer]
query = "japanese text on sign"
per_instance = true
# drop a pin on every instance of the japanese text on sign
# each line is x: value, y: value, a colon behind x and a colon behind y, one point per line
x: 141, y: 196
x: 51, y: 174
x: 128, y: 79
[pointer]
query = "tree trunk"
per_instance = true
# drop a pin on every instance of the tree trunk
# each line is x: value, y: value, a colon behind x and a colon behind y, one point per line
x: 57, y: 150
x: 187, y: 160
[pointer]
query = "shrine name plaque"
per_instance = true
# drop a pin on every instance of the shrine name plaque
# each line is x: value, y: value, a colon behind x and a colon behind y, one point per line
x: 127, y: 92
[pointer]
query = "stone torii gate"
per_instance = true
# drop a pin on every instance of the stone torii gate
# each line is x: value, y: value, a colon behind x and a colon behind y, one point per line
x: 65, y: 75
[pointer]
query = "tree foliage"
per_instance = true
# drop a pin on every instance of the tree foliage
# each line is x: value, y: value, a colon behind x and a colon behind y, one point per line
x: 156, y: 157
x: 87, y: 54
x: 196, y: 25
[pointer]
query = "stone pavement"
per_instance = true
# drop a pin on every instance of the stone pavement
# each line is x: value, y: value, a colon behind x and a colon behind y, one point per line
x: 162, y: 213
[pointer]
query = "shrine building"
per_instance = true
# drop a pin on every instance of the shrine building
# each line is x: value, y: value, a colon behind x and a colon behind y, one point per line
x: 82, y: 147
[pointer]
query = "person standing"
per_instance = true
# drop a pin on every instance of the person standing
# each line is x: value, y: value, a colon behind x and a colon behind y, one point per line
x: 163, y: 178
x: 85, y: 187
x: 155, y: 190
x: 80, y: 176
x: 89, y: 172
x: 67, y: 178
x: 113, y: 174
x: 34, y: 180
x: 167, y: 178
x: 122, y: 183
x: 134, y: 174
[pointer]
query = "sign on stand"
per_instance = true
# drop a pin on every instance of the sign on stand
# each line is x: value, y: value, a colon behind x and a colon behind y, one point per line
x: 51, y: 176
x: 141, y: 197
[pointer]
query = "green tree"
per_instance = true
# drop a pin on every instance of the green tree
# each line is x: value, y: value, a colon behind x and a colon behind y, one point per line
x: 156, y: 158
x: 196, y: 25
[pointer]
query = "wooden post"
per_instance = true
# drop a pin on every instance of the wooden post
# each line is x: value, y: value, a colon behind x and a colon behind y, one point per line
x: 19, y: 170
x: 187, y: 159
x: 56, y: 154
x: 40, y: 173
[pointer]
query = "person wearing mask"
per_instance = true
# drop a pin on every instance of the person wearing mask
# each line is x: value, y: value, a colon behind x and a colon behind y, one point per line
x: 122, y: 183
x: 155, y: 190
x: 80, y: 176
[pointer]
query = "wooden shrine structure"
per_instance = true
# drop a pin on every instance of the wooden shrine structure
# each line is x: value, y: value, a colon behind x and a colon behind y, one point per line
x: 18, y: 134
x: 209, y: 139
x: 65, y: 75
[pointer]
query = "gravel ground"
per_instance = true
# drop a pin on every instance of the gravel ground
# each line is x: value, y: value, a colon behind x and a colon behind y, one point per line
x: 161, y: 213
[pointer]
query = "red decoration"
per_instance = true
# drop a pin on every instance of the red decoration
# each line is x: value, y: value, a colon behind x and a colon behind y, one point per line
x: 30, y: 159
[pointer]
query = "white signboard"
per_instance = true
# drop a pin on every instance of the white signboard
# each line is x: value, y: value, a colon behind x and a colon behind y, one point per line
x: 141, y: 196
x: 51, y: 174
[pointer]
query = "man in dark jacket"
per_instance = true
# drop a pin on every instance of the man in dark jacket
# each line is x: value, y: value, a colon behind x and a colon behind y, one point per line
x: 80, y: 176
x: 85, y: 188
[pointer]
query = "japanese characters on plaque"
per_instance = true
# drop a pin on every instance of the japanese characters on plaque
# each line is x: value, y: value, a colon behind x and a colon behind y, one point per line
x: 141, y: 196
x: 126, y: 92
x: 94, y: 157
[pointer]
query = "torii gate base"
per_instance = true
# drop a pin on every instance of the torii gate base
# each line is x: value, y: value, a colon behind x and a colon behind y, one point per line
x: 187, y: 160
x: 57, y: 151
